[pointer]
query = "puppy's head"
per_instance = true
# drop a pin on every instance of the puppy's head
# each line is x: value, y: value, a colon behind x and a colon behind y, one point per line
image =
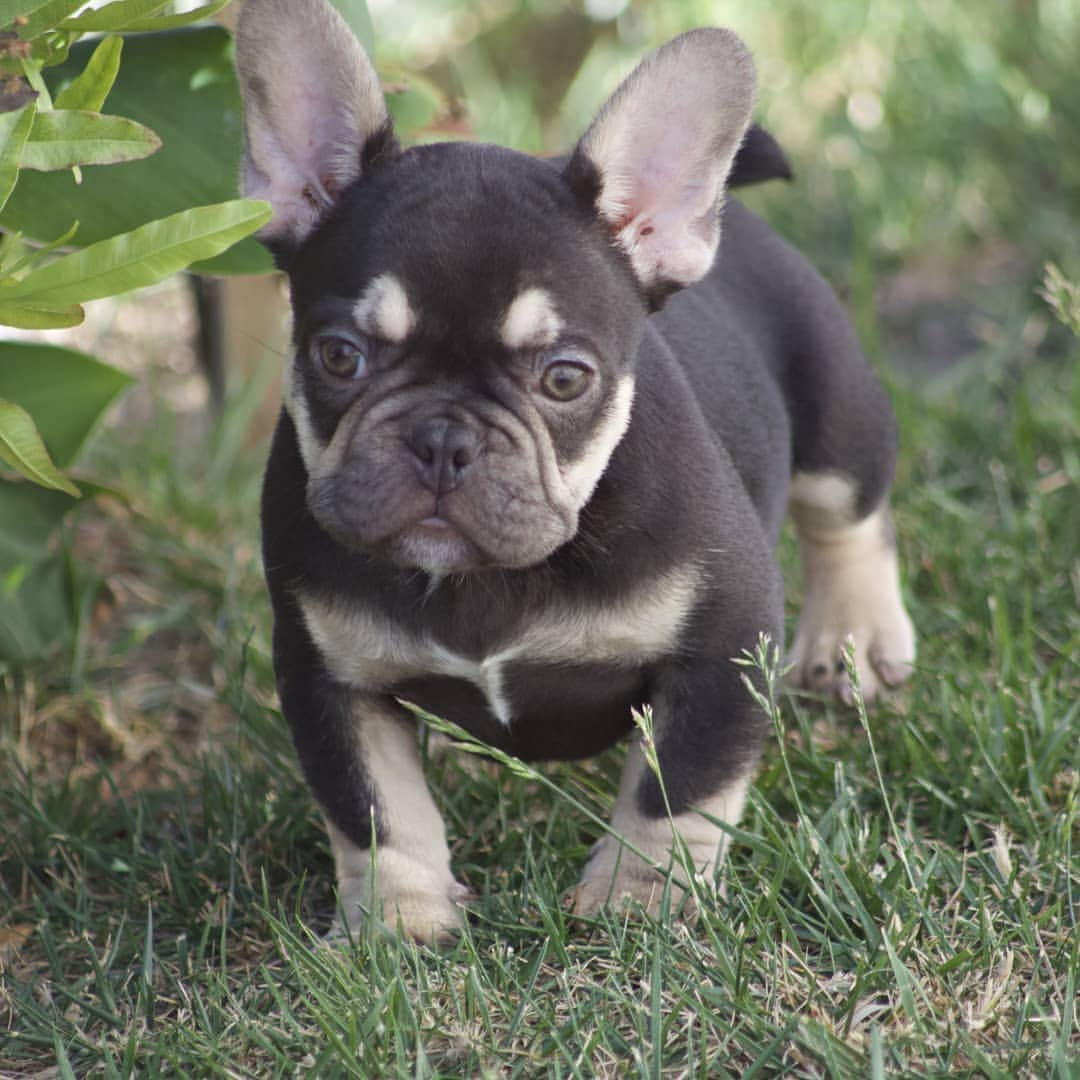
x: 466, y: 318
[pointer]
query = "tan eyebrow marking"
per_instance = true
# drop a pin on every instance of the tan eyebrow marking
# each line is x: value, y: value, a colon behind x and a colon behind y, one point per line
x: 531, y: 320
x: 384, y: 310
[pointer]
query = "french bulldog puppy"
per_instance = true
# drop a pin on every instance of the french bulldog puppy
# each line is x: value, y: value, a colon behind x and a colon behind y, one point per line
x: 537, y: 444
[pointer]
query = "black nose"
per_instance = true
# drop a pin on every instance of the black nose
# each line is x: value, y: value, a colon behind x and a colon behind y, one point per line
x: 444, y: 449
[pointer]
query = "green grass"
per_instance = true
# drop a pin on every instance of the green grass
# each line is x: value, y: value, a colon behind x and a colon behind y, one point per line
x: 902, y: 893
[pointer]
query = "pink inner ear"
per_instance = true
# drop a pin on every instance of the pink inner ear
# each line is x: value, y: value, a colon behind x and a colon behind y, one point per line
x: 668, y: 183
x: 666, y: 222
x: 663, y: 145
x: 628, y: 214
x: 311, y: 101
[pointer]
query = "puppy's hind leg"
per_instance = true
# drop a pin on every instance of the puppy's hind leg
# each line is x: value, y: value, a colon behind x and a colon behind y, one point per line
x: 844, y: 454
x: 851, y: 579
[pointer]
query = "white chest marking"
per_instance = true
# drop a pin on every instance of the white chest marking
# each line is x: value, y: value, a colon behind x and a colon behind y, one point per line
x: 370, y: 652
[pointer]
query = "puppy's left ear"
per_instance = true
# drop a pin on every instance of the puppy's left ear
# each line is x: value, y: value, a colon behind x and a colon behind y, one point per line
x: 654, y: 162
x: 314, y: 113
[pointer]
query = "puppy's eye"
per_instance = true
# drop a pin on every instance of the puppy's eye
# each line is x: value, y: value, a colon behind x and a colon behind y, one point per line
x: 564, y: 380
x: 342, y: 358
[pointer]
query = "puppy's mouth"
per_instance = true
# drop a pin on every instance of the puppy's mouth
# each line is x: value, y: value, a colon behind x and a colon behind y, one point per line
x: 435, y: 525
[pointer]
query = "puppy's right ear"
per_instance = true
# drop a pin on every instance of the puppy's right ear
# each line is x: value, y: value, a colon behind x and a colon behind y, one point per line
x: 654, y: 162
x: 314, y: 114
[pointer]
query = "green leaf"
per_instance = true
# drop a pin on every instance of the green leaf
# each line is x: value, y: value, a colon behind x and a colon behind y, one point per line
x: 36, y: 603
x: 32, y: 376
x: 14, y: 131
x: 139, y: 16
x: 27, y: 317
x: 40, y: 16
x: 48, y: 50
x: 93, y: 84
x: 158, y: 23
x: 29, y: 515
x: 10, y: 10
x: 21, y: 447
x: 31, y: 72
x: 13, y: 250
x: 140, y: 257
x: 37, y: 588
x: 114, y: 16
x: 415, y: 103
x: 22, y: 256
x: 15, y: 257
x: 62, y: 138
x: 181, y: 85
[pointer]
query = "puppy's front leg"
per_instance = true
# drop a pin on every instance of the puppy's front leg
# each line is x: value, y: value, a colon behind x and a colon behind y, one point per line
x: 360, y: 756
x: 708, y: 737
x: 407, y: 878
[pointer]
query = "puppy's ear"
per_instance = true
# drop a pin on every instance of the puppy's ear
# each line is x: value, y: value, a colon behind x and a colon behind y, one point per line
x: 654, y: 162
x: 314, y: 114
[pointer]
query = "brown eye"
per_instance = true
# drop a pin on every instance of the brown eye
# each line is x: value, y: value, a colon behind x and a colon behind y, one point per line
x: 564, y: 380
x: 342, y: 358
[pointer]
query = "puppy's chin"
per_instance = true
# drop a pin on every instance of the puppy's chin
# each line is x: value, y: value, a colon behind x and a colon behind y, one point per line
x: 436, y: 546
x: 442, y: 549
x: 431, y: 544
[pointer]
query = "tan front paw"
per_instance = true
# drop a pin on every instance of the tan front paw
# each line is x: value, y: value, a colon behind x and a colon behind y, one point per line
x: 615, y: 877
x: 420, y: 903
x: 616, y: 873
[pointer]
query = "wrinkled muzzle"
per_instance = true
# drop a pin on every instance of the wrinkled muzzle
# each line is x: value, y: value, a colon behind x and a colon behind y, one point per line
x: 446, y: 489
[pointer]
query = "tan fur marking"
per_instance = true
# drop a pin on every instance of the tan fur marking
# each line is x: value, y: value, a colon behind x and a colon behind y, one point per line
x: 825, y: 498
x: 311, y: 447
x: 370, y: 652
x: 582, y: 476
x: 615, y: 873
x: 642, y: 627
x: 531, y: 321
x: 852, y: 590
x: 361, y: 648
x: 407, y: 878
x: 384, y: 312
